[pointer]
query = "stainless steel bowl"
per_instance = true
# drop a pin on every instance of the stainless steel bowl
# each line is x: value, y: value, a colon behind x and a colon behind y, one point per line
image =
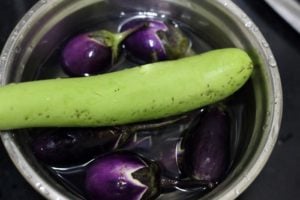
x: 220, y: 22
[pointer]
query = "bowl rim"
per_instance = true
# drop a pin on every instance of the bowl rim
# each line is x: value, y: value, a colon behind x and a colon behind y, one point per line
x: 235, y: 188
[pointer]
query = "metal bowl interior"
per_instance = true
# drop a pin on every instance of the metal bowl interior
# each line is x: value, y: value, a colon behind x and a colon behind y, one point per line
x: 220, y: 23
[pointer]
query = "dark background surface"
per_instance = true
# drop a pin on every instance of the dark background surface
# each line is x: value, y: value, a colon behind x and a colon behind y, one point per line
x: 280, y: 179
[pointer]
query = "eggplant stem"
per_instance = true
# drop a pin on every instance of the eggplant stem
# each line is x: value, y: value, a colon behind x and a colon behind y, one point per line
x: 113, y: 40
x: 119, y: 37
x: 168, y: 184
x: 154, y: 125
x: 125, y: 132
x: 129, y: 129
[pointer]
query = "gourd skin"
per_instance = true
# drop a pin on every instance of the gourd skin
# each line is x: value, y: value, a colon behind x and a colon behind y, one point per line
x: 148, y: 92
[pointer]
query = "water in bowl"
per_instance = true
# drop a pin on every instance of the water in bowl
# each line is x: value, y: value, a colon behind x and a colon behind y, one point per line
x: 153, y: 141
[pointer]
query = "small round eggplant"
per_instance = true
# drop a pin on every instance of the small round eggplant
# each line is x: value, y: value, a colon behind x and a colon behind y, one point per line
x: 122, y: 175
x: 158, y: 40
x: 74, y: 145
x: 207, y: 147
x: 93, y: 53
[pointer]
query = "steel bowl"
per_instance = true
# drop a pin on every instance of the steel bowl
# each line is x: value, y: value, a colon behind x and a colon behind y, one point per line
x: 220, y: 22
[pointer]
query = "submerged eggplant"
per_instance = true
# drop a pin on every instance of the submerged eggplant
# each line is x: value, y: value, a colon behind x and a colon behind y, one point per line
x: 164, y: 145
x: 170, y: 157
x: 122, y: 176
x: 159, y: 40
x: 207, y: 147
x: 167, y: 153
x: 74, y: 145
x: 66, y: 146
x: 128, y: 176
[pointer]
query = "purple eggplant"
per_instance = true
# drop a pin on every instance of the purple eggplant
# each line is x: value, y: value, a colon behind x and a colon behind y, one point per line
x: 94, y: 52
x: 167, y: 153
x: 128, y: 176
x: 75, y: 145
x: 207, y: 147
x: 158, y: 40
x: 63, y: 146
x: 122, y: 176
x: 169, y: 150
x: 170, y: 157
x: 166, y: 149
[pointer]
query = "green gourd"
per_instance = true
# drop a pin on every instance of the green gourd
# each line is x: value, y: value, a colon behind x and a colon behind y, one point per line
x: 146, y: 92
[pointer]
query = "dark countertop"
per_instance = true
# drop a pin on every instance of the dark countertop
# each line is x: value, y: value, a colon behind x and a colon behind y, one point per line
x: 281, y: 176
